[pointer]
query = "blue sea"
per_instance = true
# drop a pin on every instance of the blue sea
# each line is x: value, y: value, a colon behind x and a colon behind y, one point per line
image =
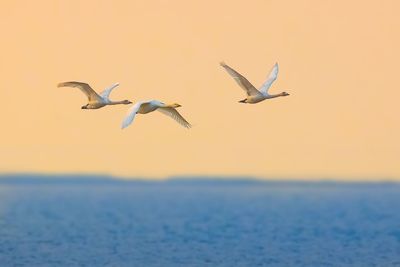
x: 195, y: 222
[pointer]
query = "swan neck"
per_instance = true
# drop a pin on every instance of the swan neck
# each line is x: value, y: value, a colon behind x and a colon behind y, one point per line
x: 168, y: 106
x: 275, y: 95
x: 116, y: 102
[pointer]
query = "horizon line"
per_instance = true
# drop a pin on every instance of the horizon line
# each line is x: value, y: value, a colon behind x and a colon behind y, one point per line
x: 93, y: 177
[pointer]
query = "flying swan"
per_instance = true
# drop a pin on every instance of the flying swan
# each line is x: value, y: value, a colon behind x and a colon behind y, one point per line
x: 254, y: 95
x: 152, y: 105
x: 95, y: 101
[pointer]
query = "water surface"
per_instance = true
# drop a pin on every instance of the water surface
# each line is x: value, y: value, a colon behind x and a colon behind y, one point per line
x: 199, y: 224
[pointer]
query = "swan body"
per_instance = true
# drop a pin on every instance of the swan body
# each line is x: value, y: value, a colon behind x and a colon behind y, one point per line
x: 145, y: 107
x: 95, y: 101
x: 254, y: 95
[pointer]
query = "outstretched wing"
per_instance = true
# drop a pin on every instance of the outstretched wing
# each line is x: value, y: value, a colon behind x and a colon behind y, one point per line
x: 173, y: 113
x: 271, y: 78
x: 242, y: 81
x: 84, y: 87
x: 130, y: 115
x: 106, y: 93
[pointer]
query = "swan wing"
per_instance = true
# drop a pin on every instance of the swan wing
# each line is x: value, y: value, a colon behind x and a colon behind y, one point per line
x: 85, y: 88
x: 173, y: 113
x: 241, y: 80
x: 130, y: 115
x: 271, y: 78
x: 106, y: 93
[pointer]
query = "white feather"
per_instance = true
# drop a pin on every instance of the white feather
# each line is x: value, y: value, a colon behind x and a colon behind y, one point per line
x: 271, y: 78
x: 106, y: 93
x: 130, y: 115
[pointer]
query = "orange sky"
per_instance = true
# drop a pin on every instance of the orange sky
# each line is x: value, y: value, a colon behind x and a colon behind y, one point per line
x: 339, y: 60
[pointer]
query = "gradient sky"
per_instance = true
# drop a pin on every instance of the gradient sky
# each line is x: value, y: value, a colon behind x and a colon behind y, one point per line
x: 339, y: 60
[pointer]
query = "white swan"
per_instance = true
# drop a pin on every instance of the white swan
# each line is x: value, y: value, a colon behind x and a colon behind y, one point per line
x: 95, y: 101
x: 152, y: 105
x: 254, y: 95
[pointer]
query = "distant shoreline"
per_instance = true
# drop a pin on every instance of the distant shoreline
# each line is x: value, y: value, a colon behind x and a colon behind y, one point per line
x: 93, y: 179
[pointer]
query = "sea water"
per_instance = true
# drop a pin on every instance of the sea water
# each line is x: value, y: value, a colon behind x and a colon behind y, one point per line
x: 199, y: 224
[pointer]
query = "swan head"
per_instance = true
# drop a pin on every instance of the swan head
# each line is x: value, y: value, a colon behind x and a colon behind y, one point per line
x: 284, y: 94
x: 126, y: 102
x: 175, y: 105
